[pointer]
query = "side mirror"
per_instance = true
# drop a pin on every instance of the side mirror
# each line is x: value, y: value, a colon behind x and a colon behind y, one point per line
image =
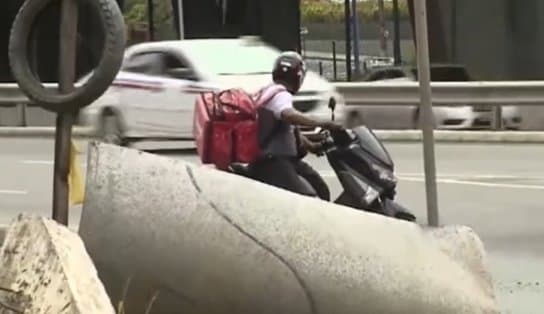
x: 332, y: 103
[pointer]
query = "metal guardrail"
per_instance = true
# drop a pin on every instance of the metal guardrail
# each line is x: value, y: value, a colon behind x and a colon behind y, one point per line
x: 394, y: 93
x: 11, y: 95
x: 444, y: 93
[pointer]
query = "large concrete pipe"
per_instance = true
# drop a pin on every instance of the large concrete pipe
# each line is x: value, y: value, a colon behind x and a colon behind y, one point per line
x: 182, y: 238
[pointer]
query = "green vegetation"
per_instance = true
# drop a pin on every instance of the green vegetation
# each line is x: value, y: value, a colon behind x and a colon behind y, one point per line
x: 136, y: 17
x: 326, y: 11
x: 312, y: 11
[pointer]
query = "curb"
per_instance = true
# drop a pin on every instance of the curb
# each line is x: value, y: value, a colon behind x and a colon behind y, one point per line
x: 445, y: 136
x: 43, y: 132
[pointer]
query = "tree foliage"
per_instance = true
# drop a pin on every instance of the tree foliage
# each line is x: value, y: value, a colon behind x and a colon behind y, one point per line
x: 327, y: 11
x: 312, y: 11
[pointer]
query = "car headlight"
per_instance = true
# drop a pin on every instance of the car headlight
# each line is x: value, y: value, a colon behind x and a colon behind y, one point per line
x: 384, y: 174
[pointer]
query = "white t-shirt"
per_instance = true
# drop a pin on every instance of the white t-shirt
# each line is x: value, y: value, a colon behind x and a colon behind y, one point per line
x: 283, y: 143
x: 282, y: 101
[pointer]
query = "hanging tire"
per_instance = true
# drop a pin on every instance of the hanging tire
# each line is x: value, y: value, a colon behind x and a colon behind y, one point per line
x: 103, y: 75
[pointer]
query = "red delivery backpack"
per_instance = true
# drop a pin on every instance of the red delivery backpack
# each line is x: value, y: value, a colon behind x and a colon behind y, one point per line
x: 225, y: 125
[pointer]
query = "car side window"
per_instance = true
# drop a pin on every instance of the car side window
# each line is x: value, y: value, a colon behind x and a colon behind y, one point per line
x: 177, y: 68
x: 376, y: 76
x: 386, y: 74
x: 150, y: 63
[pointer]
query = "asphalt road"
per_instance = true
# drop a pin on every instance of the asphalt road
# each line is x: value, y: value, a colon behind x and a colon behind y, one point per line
x: 495, y: 189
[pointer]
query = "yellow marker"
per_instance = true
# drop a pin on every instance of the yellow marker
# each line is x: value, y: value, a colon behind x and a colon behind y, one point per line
x: 76, y: 184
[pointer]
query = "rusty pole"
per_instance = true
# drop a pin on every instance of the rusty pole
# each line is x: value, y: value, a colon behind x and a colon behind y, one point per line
x: 65, y: 119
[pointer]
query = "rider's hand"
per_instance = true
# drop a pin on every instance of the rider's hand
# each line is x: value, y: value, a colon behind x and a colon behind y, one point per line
x: 329, y: 125
x: 315, y: 148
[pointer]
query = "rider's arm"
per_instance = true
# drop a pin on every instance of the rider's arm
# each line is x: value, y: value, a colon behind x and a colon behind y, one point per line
x: 282, y: 106
x: 293, y: 116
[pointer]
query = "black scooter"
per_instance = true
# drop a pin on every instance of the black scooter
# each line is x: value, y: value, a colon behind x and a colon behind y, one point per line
x: 363, y: 167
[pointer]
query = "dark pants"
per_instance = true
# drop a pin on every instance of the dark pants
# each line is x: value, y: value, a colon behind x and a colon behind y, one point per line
x: 314, y: 178
x: 285, y: 173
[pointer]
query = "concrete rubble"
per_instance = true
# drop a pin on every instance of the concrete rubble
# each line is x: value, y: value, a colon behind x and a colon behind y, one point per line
x: 45, y: 269
x: 182, y: 238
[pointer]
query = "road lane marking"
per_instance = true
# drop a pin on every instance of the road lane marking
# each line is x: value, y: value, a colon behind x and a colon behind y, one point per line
x: 476, y: 183
x: 330, y: 173
x: 46, y: 162
x: 37, y: 162
x: 14, y: 192
x: 463, y: 180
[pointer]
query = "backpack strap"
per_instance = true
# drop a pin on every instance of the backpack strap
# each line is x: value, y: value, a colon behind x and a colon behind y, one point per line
x: 265, y: 94
x: 262, y: 97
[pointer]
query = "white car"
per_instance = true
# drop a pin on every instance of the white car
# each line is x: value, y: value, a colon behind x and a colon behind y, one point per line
x: 446, y: 117
x: 153, y: 95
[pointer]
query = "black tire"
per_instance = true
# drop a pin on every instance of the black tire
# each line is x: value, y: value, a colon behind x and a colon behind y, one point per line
x: 111, y: 129
x: 108, y: 66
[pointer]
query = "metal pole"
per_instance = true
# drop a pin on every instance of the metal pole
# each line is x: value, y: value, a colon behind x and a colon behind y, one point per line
x: 321, y: 68
x: 334, y: 60
x: 65, y: 120
x: 426, y: 109
x: 151, y: 20
x: 383, y: 39
x: 453, y: 26
x: 347, y: 18
x: 396, y: 43
x: 498, y: 118
x: 181, y: 23
x: 355, y: 25
x: 23, y: 115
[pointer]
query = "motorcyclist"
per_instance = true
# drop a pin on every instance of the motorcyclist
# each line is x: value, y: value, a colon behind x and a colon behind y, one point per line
x: 282, y: 143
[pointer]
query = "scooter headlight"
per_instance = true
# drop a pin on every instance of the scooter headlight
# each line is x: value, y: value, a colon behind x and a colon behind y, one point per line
x: 384, y: 174
x: 371, y: 195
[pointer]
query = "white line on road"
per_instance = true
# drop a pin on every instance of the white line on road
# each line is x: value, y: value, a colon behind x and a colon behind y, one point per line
x: 330, y: 173
x: 46, y: 162
x: 476, y: 183
x: 38, y: 162
x: 443, y: 179
x: 13, y: 192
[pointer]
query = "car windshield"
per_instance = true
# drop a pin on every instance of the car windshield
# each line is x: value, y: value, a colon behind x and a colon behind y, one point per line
x: 234, y: 59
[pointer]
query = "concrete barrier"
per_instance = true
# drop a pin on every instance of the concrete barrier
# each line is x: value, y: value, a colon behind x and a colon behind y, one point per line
x: 196, y: 240
x: 45, y: 269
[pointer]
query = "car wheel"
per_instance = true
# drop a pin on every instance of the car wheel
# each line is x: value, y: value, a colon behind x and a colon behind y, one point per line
x: 513, y: 124
x: 354, y: 120
x: 111, y: 131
